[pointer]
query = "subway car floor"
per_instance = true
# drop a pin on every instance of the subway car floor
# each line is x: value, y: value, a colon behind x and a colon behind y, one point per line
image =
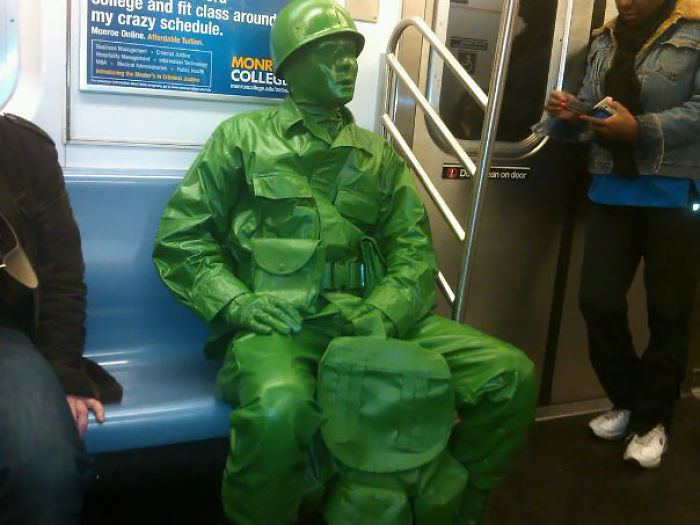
x: 562, y: 476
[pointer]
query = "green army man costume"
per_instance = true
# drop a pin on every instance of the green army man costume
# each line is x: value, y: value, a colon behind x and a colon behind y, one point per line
x: 294, y: 230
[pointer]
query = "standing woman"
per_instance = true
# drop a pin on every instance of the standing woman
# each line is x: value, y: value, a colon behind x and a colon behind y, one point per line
x: 645, y: 166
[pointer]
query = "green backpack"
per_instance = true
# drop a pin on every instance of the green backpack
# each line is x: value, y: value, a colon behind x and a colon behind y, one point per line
x: 389, y: 403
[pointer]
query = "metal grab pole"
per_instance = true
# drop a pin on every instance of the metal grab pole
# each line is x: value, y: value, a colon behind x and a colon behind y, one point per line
x: 505, y: 37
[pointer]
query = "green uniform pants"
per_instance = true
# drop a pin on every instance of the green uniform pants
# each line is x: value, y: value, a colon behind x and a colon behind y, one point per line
x: 275, y: 453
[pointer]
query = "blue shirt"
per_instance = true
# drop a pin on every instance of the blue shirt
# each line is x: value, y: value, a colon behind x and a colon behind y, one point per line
x: 647, y: 190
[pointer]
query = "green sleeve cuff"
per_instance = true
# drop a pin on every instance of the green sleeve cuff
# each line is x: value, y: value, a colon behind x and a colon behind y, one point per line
x: 214, y: 289
x: 399, y: 305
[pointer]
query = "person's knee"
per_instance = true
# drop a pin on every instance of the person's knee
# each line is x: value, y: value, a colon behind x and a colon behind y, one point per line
x: 19, y: 356
x: 288, y: 406
x: 24, y: 369
x: 512, y: 376
x: 668, y: 312
x: 40, y: 450
x: 525, y: 369
x: 52, y: 475
x: 48, y: 475
x: 522, y: 370
x: 526, y: 382
x: 350, y: 502
x: 595, y: 303
x: 512, y: 360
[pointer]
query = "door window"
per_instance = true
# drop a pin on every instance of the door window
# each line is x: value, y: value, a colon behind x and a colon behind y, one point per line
x: 8, y: 50
x: 472, y: 33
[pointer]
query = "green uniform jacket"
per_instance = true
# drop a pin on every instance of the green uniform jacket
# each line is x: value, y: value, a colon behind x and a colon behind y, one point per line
x: 269, y: 205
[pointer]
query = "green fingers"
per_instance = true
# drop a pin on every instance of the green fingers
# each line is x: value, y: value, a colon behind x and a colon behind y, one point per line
x: 263, y: 314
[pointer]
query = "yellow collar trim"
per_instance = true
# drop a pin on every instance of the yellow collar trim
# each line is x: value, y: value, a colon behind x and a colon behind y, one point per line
x: 685, y: 9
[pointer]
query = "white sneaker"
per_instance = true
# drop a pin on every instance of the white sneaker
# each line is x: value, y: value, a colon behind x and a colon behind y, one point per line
x: 611, y: 424
x: 646, y: 451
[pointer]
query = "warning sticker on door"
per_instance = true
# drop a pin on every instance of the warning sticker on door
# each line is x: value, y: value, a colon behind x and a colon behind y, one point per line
x: 514, y: 173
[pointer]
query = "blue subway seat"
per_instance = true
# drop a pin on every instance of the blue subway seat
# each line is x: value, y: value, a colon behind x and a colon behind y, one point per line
x: 135, y: 329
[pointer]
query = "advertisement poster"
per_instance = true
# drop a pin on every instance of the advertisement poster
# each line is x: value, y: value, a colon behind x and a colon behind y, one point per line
x: 192, y: 48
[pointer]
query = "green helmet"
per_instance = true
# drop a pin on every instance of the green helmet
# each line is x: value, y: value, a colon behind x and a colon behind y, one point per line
x: 305, y: 21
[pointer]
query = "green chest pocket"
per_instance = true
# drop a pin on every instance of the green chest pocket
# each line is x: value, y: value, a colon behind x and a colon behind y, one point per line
x: 359, y: 207
x: 285, y: 204
x: 291, y: 269
x: 389, y: 403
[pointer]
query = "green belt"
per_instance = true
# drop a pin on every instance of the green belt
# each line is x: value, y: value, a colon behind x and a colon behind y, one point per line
x: 344, y: 276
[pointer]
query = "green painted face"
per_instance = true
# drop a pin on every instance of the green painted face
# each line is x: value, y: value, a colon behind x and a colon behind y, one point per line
x: 323, y: 73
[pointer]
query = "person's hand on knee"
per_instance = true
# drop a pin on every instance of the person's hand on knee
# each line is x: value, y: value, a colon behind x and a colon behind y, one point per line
x: 263, y: 314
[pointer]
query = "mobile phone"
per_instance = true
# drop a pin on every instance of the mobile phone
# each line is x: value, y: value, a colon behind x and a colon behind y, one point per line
x: 602, y: 110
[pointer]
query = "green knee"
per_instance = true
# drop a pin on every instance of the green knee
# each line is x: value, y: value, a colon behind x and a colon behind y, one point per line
x: 495, y: 421
x: 350, y: 503
x: 269, y: 441
x: 427, y: 495
x: 525, y: 397
x: 282, y: 417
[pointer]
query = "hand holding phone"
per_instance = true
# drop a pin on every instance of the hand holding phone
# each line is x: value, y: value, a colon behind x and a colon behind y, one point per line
x: 613, y: 121
x: 603, y: 109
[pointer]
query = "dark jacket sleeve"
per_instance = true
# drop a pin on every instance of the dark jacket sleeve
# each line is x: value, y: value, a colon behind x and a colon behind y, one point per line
x: 60, y: 332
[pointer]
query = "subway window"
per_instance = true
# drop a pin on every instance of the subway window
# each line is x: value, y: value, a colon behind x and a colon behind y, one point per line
x: 9, y: 52
x: 472, y: 34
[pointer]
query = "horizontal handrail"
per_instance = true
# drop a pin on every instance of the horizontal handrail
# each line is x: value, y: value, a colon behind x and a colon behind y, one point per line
x: 433, y: 192
x: 465, y: 78
x: 447, y: 135
x: 446, y: 289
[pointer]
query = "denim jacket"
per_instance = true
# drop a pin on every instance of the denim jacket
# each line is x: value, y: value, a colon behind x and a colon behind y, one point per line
x: 668, y: 70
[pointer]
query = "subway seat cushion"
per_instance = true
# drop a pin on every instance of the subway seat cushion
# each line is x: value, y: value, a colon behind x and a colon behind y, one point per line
x: 135, y: 329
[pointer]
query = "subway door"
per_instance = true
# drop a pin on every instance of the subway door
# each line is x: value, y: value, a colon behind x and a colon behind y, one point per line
x: 522, y: 241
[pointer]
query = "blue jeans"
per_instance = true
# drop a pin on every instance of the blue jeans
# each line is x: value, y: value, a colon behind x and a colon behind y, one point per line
x: 43, y: 464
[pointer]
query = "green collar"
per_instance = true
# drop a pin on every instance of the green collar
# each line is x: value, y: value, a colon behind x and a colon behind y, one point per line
x: 290, y: 115
x: 354, y: 137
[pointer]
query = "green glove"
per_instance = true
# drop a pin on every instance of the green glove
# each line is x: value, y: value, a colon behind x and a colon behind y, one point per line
x: 368, y: 320
x: 263, y: 314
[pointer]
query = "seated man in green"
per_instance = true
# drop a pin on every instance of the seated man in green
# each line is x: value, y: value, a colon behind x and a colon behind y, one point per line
x: 293, y: 227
